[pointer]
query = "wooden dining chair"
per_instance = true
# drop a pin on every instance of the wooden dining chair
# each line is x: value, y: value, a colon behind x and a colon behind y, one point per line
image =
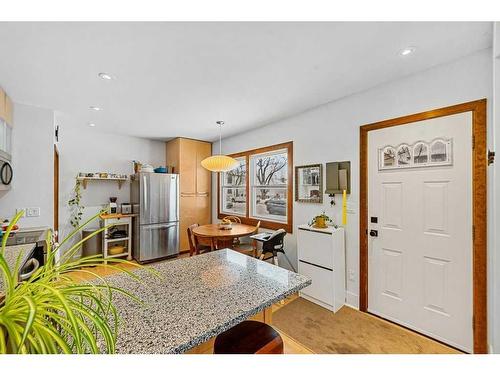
x: 236, y: 220
x: 197, y: 244
x: 249, y: 248
x: 232, y: 219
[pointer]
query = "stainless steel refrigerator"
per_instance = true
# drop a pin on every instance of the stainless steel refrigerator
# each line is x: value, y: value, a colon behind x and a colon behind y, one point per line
x: 155, y: 197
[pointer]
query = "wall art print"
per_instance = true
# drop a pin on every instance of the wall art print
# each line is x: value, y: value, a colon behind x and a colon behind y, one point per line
x: 438, y: 152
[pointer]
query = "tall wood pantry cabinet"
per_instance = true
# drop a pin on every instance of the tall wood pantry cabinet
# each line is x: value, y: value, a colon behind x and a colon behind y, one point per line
x: 195, y: 184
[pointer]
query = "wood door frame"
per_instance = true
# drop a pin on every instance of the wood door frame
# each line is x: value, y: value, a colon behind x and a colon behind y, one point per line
x: 479, y: 208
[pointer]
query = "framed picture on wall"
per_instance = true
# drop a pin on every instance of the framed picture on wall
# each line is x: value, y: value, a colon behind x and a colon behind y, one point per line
x: 309, y: 183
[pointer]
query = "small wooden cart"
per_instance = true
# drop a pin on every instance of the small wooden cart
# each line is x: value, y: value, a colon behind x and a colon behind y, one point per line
x: 113, y: 220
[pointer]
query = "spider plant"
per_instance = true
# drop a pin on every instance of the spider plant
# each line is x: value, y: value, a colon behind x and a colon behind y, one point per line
x: 53, y: 311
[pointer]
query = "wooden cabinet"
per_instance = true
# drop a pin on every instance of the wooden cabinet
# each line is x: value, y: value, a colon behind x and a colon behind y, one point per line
x: 203, y: 176
x: 195, y: 184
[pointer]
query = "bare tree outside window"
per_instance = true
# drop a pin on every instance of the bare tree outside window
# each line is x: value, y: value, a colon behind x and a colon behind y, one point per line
x: 233, y: 189
x: 266, y: 173
x: 269, y: 185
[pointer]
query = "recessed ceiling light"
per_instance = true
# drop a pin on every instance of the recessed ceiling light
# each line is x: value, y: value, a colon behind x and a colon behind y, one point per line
x: 95, y: 108
x: 91, y: 124
x: 105, y: 76
x: 407, y: 51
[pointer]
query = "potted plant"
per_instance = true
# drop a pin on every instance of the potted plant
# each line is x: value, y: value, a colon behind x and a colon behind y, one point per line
x: 52, y: 312
x: 321, y: 221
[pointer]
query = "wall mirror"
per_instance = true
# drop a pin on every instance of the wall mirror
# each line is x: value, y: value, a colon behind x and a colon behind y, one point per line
x: 309, y: 183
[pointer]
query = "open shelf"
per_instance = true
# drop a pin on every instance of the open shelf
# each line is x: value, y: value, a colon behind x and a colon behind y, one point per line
x: 117, y: 255
x: 117, y: 239
x: 84, y: 180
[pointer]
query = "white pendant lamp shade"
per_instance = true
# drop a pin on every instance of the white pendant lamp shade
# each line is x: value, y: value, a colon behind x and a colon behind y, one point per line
x: 219, y: 163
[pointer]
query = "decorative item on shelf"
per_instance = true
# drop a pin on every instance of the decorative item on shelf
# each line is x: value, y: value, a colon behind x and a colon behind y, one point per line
x: 309, y: 183
x: 219, y: 163
x: 321, y: 221
x: 160, y: 170
x: 137, y: 166
x: 225, y: 224
x: 146, y: 168
x: 101, y: 176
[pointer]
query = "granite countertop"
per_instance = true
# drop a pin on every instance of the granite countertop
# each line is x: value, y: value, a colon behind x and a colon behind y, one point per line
x: 195, y: 299
x: 12, y: 253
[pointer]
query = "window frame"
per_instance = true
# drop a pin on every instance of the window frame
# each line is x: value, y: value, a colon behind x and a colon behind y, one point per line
x: 248, y: 219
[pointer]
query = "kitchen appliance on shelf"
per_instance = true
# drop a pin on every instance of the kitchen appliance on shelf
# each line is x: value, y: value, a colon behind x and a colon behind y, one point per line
x: 126, y: 208
x: 113, y: 206
x: 155, y: 198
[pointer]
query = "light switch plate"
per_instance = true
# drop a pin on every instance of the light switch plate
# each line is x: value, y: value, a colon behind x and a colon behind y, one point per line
x: 33, y: 211
x: 21, y: 209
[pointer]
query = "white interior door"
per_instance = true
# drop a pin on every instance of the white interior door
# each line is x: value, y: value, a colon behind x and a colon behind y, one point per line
x: 420, y: 264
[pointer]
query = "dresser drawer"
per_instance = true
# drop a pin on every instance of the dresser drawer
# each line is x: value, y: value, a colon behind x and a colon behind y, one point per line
x: 118, y: 221
x: 321, y: 288
x: 315, y: 247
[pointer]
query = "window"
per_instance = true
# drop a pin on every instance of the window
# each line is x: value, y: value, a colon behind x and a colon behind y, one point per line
x: 234, y: 192
x: 260, y: 187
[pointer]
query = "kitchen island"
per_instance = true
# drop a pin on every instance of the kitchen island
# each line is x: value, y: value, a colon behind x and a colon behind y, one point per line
x: 194, y: 299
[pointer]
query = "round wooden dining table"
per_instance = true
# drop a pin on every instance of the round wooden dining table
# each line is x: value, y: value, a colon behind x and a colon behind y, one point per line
x: 222, y: 238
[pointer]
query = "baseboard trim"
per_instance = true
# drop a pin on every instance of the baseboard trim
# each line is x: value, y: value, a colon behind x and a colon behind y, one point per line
x: 352, y: 300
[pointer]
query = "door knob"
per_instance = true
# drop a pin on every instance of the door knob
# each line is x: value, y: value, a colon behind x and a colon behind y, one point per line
x: 373, y: 233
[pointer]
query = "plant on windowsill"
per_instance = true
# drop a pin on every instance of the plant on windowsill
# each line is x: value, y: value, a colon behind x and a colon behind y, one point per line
x: 321, y: 221
x: 53, y: 311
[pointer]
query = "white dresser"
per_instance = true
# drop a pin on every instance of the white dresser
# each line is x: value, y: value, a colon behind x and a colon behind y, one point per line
x: 321, y: 255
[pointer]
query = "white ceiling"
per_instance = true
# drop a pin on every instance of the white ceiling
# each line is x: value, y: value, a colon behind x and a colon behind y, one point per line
x: 177, y: 79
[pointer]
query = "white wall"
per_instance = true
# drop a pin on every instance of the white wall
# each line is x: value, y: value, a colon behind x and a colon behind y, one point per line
x: 32, y: 162
x: 331, y: 133
x: 86, y: 149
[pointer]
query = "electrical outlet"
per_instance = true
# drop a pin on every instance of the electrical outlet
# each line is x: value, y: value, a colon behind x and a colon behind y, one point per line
x: 33, y: 211
x: 351, y: 275
x: 21, y: 209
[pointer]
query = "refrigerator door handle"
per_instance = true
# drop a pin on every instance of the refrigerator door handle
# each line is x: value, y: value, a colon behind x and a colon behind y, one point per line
x: 145, y: 184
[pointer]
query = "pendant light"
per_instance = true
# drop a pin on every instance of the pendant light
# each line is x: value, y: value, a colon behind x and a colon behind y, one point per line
x: 219, y: 163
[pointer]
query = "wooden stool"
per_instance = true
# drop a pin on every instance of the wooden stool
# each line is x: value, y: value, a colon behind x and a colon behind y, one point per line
x: 249, y: 337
